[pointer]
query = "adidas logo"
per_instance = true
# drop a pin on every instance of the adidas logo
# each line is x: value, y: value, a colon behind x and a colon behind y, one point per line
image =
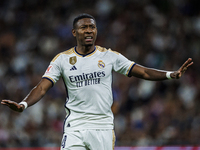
x: 73, y: 68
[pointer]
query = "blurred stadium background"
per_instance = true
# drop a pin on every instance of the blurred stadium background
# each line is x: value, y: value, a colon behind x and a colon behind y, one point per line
x: 155, y: 33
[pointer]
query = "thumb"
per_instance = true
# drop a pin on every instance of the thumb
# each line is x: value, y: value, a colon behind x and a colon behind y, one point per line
x: 179, y: 74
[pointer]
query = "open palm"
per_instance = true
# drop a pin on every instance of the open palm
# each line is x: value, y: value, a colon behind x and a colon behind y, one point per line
x: 12, y: 105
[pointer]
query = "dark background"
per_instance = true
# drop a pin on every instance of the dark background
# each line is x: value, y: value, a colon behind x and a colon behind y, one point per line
x: 155, y: 33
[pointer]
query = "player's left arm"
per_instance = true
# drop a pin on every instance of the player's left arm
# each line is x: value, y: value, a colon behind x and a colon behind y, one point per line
x: 156, y: 75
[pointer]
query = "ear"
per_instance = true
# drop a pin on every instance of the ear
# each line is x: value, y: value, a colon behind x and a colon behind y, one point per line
x: 74, y: 32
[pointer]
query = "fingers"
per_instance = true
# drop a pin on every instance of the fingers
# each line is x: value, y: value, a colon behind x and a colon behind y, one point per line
x: 184, y: 67
x: 13, y: 105
x: 6, y: 102
x: 187, y: 63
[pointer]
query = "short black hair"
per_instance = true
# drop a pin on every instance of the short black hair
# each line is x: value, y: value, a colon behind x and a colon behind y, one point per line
x: 81, y: 16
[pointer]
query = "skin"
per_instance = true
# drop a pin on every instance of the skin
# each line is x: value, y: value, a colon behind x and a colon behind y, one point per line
x: 84, y: 28
x: 157, y: 75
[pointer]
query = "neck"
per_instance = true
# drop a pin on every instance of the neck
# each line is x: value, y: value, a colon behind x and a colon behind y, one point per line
x: 84, y: 50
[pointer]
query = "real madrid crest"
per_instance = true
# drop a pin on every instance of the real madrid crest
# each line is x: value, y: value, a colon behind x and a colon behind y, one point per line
x: 72, y: 60
x: 101, y: 64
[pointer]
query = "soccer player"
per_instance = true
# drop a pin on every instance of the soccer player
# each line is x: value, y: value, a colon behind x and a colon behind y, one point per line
x: 87, y: 73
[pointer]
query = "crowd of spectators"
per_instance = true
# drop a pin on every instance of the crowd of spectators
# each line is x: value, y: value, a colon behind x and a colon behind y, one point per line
x: 155, y: 33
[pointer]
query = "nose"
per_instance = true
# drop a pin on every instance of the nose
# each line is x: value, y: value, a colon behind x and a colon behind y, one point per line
x: 88, y: 30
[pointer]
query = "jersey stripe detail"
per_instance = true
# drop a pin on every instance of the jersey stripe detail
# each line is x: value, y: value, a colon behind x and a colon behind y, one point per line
x: 113, y: 51
x: 114, y: 139
x: 56, y: 57
x: 50, y: 79
x: 67, y: 52
x: 87, y: 55
x: 69, y: 112
x: 101, y: 49
x: 130, y: 68
x: 64, y: 125
x: 90, y: 54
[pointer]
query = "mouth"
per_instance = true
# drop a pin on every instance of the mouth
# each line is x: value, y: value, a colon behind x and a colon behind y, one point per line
x: 88, y: 38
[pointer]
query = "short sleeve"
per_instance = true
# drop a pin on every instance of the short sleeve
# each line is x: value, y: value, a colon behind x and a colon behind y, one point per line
x: 123, y: 65
x: 53, y: 71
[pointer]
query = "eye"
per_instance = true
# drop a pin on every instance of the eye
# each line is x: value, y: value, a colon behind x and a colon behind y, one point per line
x: 93, y: 27
x: 82, y: 27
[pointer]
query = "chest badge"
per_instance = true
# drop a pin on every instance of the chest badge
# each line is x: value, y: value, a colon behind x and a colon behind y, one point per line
x: 101, y: 64
x: 72, y: 60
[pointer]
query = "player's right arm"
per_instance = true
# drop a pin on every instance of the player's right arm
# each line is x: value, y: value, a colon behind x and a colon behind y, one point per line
x: 33, y: 97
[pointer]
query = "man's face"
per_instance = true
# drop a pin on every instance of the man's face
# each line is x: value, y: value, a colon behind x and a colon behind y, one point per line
x: 85, y: 32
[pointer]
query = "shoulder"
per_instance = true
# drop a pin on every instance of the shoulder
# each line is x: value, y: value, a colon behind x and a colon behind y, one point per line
x: 103, y: 49
x: 65, y: 53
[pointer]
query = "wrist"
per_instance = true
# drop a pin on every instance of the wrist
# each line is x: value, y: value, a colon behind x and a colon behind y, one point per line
x: 168, y: 75
x: 24, y: 103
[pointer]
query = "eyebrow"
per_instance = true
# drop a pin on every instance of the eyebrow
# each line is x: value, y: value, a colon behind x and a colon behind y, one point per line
x: 83, y: 25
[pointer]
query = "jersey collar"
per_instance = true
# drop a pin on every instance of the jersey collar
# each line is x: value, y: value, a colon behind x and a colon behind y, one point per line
x: 87, y: 55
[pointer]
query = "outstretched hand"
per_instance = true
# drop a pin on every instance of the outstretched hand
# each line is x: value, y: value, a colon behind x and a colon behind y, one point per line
x: 13, y: 105
x: 182, y: 69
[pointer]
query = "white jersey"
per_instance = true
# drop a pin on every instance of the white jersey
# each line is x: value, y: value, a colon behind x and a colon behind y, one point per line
x: 88, y: 80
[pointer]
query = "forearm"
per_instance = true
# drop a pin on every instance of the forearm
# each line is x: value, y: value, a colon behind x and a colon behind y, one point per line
x: 154, y: 74
x: 37, y: 92
x: 34, y: 96
x: 149, y: 73
x: 158, y: 75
